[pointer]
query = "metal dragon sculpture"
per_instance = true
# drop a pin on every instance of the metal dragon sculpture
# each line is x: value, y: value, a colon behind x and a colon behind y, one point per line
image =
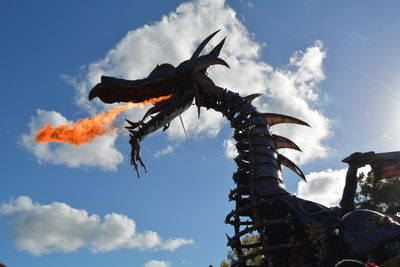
x: 292, y: 231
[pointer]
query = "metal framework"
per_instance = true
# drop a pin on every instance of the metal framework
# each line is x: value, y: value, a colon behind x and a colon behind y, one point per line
x: 292, y: 231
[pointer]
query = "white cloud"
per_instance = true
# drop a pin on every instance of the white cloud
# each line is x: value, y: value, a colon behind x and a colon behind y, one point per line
x: 291, y: 89
x: 173, y: 244
x: 154, y: 263
x: 325, y: 187
x: 42, y: 229
x: 99, y: 153
x: 230, y: 148
x: 365, y: 170
x: 169, y: 149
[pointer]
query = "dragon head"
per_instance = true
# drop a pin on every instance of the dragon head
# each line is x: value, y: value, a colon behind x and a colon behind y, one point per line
x: 179, y: 85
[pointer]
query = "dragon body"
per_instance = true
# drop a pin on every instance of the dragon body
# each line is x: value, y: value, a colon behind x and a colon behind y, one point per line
x: 292, y: 231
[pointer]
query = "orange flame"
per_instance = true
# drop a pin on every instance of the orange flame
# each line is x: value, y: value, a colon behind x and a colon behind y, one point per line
x: 85, y: 130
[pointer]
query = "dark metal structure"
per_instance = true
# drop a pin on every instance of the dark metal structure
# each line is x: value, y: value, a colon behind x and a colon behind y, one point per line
x: 293, y: 231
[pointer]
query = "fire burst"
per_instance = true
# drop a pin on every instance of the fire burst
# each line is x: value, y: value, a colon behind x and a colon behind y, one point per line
x: 85, y: 130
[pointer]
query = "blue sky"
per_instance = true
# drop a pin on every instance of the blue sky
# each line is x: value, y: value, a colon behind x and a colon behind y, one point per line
x: 333, y: 64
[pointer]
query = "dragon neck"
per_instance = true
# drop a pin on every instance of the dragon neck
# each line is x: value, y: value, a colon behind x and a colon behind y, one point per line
x: 258, y: 168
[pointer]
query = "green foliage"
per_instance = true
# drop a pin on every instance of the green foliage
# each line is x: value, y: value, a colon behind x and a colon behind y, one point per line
x: 377, y: 197
x: 247, y: 240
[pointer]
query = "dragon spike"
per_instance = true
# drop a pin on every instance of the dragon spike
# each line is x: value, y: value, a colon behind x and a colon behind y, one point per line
x: 197, y: 98
x: 288, y: 163
x: 283, y: 142
x: 275, y: 118
x: 215, y: 52
x: 251, y: 97
x: 229, y: 239
x: 157, y: 108
x: 207, y: 62
x: 133, y: 125
x: 149, y: 112
x: 166, y: 126
x: 202, y: 45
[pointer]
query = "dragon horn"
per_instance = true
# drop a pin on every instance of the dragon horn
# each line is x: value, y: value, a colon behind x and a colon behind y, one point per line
x: 251, y: 97
x: 283, y: 142
x: 275, y: 118
x: 288, y: 163
x: 205, y: 63
x: 202, y: 45
x: 215, y: 52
